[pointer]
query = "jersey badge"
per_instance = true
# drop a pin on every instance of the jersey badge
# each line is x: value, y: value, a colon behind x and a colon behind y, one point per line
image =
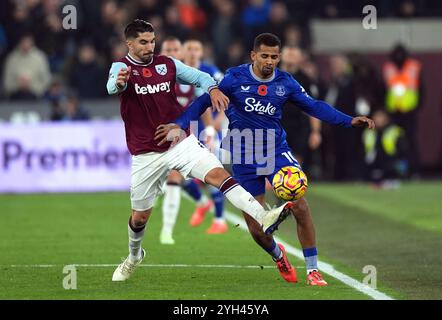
x: 280, y: 91
x: 161, y: 69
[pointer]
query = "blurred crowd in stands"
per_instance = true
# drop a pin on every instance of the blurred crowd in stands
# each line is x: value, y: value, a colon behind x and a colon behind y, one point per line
x: 39, y: 59
x: 31, y: 32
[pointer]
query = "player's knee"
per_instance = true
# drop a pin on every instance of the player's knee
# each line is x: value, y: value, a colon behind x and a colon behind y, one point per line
x: 174, y: 178
x: 139, y: 218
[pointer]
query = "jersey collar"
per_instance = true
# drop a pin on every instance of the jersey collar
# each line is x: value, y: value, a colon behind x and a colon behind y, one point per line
x: 260, y: 79
x: 136, y: 62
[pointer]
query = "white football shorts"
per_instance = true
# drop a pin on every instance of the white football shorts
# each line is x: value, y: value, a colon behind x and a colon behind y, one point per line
x: 150, y: 170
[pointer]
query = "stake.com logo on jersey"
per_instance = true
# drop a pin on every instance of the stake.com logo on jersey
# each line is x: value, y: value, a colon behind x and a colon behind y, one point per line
x: 253, y: 105
x: 153, y: 88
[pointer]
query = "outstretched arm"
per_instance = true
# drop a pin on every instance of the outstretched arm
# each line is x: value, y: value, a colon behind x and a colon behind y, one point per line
x: 325, y: 112
x: 192, y: 113
x: 189, y: 75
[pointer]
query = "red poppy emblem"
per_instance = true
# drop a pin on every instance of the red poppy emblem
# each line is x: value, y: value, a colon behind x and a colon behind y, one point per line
x: 147, y: 73
x: 262, y: 90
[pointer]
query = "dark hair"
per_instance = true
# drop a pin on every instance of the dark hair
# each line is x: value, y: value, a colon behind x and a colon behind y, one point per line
x: 194, y: 38
x: 171, y: 38
x: 137, y: 26
x: 267, y: 39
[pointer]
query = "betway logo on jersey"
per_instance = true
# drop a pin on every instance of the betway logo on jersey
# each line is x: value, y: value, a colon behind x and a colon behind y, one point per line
x: 253, y: 105
x: 152, y: 88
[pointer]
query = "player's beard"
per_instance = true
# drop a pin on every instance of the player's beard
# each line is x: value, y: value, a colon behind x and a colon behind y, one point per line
x: 267, y: 71
x: 147, y: 57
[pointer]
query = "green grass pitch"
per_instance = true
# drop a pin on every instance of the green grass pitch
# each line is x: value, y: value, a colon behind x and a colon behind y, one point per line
x: 397, y: 231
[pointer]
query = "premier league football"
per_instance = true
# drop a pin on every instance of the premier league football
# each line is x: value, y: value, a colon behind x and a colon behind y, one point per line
x: 220, y: 159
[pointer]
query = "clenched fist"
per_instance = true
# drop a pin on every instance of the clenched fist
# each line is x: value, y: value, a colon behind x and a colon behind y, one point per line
x: 123, y: 77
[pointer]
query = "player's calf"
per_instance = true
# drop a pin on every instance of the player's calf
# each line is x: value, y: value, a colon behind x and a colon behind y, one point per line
x: 300, y: 209
x: 237, y: 195
x: 136, y: 229
x: 261, y: 238
x: 243, y: 200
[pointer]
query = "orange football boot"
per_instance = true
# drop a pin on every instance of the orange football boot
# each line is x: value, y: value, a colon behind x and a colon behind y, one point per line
x: 314, y: 278
x: 218, y: 227
x: 200, y: 212
x: 287, y: 271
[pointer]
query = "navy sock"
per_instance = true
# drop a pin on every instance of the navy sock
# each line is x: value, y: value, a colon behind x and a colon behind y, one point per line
x: 192, y: 188
x: 218, y: 199
x: 275, y: 251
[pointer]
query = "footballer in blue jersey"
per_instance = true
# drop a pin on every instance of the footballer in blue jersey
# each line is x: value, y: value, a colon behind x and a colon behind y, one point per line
x: 257, y: 93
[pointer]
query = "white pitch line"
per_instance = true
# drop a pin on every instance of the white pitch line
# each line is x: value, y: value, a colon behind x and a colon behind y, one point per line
x: 323, y: 266
x: 142, y: 265
x: 236, y: 220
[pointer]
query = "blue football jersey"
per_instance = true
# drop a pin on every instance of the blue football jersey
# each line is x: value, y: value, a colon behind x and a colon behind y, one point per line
x: 255, y: 110
x: 257, y: 104
x: 256, y: 138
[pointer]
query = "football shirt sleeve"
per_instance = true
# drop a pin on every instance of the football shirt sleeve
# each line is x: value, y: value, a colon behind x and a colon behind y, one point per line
x: 217, y: 74
x: 226, y: 84
x: 189, y: 75
x: 316, y: 108
x: 194, y: 111
x: 112, y: 80
x: 198, y: 106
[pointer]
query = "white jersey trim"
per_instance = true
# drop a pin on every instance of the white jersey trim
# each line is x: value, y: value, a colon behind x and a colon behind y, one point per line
x: 136, y: 62
x: 260, y: 79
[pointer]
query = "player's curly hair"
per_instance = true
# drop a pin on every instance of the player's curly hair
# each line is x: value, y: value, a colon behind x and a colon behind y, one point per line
x: 267, y: 39
x: 137, y: 26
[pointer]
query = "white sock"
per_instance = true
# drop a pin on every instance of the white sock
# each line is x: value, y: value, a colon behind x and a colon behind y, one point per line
x: 244, y: 201
x: 171, y: 206
x: 135, y: 239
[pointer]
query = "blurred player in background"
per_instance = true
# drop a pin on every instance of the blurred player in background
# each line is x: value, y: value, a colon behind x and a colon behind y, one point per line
x: 185, y: 93
x: 145, y: 85
x: 257, y: 93
x: 172, y: 47
x: 209, y: 132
